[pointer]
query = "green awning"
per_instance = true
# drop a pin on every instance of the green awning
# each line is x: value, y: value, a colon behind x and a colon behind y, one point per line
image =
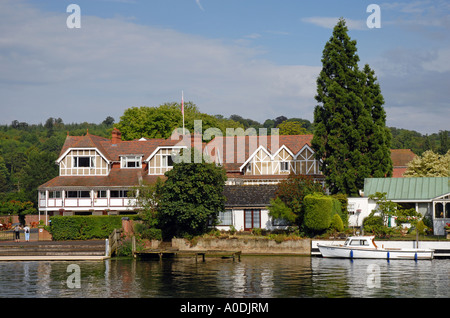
x: 408, y: 188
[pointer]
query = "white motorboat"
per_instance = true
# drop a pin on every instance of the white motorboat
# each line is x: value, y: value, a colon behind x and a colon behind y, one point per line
x: 365, y: 247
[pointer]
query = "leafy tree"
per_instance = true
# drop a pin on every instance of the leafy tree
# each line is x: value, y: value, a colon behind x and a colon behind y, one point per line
x: 444, y: 143
x: 279, y: 120
x: 349, y: 121
x: 160, y: 122
x: 191, y: 197
x: 279, y: 210
x: 4, y: 176
x: 147, y: 198
x: 292, y: 192
x: 385, y: 207
x: 430, y: 164
x: 109, y: 121
x: 19, y: 208
x: 269, y: 123
x: 39, y: 167
x: 291, y: 128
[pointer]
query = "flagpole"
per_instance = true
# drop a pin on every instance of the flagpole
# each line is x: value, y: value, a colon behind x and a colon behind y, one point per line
x: 182, y: 109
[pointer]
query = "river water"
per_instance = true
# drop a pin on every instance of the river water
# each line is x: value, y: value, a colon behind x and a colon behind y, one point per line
x: 252, y: 277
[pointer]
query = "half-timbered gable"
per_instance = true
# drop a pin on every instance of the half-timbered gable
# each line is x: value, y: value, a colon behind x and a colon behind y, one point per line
x: 83, y: 162
x: 161, y: 160
x: 264, y: 159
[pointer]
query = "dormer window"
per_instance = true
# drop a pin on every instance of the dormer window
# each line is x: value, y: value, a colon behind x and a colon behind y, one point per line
x: 167, y: 161
x: 131, y: 162
x: 84, y: 162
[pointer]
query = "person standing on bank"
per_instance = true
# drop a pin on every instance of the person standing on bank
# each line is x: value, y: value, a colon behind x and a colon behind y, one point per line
x: 17, y: 232
x: 27, y: 230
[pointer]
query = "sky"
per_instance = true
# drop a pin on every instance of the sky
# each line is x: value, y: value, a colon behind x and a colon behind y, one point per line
x: 258, y: 59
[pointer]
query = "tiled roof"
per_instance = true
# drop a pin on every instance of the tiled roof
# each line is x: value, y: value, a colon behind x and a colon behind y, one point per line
x: 113, y: 151
x: 116, y: 178
x: 251, y: 196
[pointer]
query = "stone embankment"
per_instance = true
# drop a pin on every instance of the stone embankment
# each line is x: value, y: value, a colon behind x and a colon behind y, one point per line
x: 51, y: 250
x: 251, y: 245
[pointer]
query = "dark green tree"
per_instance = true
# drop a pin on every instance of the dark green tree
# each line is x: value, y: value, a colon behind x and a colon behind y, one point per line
x: 444, y: 143
x: 40, y: 167
x: 377, y: 134
x: 4, y: 176
x: 348, y: 124
x: 191, y: 197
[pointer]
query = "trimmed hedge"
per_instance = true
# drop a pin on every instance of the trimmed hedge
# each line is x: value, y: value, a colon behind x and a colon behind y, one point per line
x: 319, y: 211
x: 80, y: 227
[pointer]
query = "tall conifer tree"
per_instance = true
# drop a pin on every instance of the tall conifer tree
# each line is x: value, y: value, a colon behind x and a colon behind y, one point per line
x: 350, y: 134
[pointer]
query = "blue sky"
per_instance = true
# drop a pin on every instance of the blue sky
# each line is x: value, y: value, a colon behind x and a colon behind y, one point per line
x: 255, y: 58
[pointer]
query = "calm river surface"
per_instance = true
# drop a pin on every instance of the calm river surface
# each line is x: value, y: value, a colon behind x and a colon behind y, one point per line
x: 255, y: 277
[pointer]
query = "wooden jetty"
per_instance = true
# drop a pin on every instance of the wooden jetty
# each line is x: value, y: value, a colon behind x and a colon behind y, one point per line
x: 170, y: 253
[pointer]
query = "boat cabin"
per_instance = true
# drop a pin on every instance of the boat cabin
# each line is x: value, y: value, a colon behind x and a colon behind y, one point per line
x: 361, y: 241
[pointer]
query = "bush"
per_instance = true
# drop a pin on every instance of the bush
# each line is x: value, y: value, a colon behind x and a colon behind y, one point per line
x: 83, y: 227
x: 318, y: 211
x: 375, y: 225
x: 337, y: 224
x: 148, y: 233
x: 343, y: 213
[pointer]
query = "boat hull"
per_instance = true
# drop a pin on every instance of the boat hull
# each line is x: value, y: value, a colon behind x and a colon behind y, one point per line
x: 369, y: 253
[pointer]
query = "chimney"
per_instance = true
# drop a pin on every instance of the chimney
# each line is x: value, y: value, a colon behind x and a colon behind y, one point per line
x: 116, y: 136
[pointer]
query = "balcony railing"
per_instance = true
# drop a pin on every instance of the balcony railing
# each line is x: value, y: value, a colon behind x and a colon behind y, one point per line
x: 87, y: 202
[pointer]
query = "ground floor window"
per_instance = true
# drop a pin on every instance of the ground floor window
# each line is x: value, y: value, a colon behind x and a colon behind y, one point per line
x: 442, y: 210
x: 252, y: 219
x: 225, y: 218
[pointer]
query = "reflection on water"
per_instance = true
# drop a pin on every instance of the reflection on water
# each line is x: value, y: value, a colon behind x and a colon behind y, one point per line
x: 269, y: 277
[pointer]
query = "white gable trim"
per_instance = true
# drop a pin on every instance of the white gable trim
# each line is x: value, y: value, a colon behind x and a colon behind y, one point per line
x: 441, y: 197
x: 163, y: 147
x: 58, y: 161
x: 285, y: 148
x: 301, y: 150
x: 254, y: 154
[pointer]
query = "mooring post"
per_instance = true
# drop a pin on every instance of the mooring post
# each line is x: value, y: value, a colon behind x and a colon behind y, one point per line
x: 133, y: 246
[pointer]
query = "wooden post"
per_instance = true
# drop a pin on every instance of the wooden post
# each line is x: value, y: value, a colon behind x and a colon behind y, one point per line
x: 133, y: 246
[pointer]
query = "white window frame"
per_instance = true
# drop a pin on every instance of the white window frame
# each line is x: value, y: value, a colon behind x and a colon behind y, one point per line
x: 76, y: 161
x: 165, y: 161
x: 284, y: 166
x: 124, y: 160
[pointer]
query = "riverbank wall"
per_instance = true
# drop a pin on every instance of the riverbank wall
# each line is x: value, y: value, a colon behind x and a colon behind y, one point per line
x: 248, y: 246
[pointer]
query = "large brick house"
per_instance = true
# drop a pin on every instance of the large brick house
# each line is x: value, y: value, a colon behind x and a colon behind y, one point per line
x: 96, y: 173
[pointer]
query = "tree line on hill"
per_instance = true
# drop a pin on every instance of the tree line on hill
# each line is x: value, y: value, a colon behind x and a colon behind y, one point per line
x: 28, y: 151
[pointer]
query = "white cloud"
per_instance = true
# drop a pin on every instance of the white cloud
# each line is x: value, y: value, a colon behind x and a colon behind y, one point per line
x: 48, y: 70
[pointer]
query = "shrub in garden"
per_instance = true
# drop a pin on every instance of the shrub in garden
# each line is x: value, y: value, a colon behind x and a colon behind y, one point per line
x: 318, y: 212
x: 83, y: 227
x: 337, y: 224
